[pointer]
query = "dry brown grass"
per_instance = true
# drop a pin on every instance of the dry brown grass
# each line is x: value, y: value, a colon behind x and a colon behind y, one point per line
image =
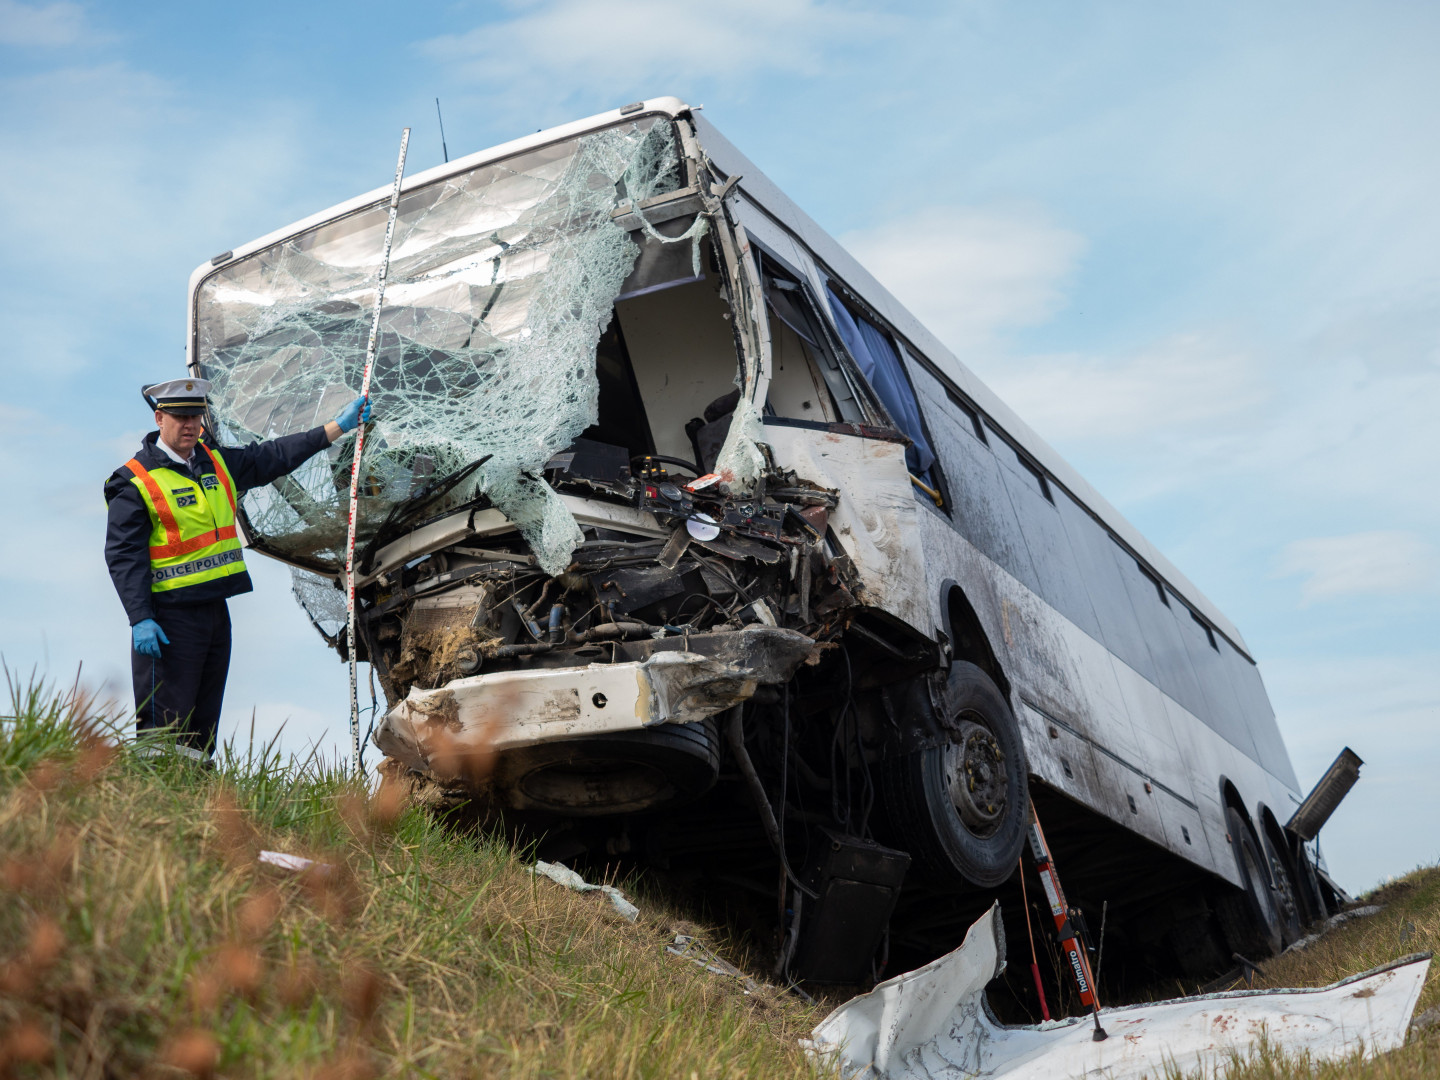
x: 140, y: 937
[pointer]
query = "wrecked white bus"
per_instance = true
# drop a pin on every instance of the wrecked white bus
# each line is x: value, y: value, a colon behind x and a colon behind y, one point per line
x: 681, y: 537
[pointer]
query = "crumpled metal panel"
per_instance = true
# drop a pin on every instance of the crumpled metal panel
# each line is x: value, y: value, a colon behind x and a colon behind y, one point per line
x: 934, y: 1023
x: 444, y: 732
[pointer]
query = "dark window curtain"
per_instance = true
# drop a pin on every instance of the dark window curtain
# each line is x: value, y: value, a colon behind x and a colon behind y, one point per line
x: 880, y: 364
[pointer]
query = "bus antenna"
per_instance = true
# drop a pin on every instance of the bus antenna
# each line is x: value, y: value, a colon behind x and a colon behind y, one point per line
x: 443, y: 148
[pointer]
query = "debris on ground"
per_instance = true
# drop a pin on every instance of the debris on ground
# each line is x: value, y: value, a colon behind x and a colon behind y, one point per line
x: 297, y: 863
x: 935, y: 1021
x: 563, y: 875
x: 1426, y: 1021
x: 690, y: 948
x: 1335, y: 920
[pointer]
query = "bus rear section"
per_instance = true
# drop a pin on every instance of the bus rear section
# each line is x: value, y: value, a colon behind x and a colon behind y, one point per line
x: 646, y: 544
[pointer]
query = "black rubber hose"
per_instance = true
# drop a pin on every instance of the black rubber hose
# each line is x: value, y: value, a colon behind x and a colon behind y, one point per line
x: 736, y: 732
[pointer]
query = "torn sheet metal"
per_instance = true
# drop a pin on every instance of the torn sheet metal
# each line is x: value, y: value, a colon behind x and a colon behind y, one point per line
x: 876, y: 515
x: 563, y: 875
x: 934, y: 1022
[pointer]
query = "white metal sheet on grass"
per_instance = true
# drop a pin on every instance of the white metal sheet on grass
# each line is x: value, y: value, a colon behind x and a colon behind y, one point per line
x: 934, y: 1023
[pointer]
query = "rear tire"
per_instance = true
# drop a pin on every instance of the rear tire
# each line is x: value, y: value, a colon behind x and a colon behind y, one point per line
x: 1248, y: 915
x: 1286, y: 893
x: 961, y: 809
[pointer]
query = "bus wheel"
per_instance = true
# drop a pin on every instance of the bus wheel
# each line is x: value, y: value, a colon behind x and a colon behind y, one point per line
x: 1286, y: 893
x: 1248, y: 915
x: 961, y: 808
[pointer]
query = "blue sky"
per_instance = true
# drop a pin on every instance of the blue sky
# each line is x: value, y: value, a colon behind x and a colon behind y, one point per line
x: 1197, y: 247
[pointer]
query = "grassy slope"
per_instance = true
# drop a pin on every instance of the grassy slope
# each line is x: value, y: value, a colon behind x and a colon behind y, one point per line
x: 139, y: 936
x: 136, y: 929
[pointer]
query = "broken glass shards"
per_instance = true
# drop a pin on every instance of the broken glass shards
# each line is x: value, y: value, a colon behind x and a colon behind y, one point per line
x: 501, y: 282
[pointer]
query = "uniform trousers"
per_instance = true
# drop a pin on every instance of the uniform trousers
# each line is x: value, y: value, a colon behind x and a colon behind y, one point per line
x: 185, y: 687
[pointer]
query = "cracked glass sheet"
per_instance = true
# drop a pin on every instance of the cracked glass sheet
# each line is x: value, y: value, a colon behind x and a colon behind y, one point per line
x: 323, y: 600
x: 501, y: 282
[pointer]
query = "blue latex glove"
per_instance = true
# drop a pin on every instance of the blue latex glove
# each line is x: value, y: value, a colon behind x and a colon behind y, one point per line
x: 351, y: 415
x: 148, y: 637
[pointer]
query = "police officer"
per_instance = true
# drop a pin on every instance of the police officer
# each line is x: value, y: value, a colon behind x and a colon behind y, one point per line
x: 175, y: 558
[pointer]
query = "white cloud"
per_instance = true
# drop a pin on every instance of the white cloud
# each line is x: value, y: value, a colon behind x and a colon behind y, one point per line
x: 44, y: 24
x: 1366, y: 563
x: 607, y: 45
x: 971, y: 273
x: 118, y: 182
x: 1189, y: 381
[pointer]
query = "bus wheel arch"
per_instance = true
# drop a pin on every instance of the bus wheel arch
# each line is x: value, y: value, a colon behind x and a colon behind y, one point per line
x: 968, y: 639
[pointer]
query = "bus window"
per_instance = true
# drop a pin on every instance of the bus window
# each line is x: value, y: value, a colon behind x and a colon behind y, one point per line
x: 797, y: 389
x: 879, y: 362
x: 799, y: 343
x: 970, y: 415
x: 1021, y: 465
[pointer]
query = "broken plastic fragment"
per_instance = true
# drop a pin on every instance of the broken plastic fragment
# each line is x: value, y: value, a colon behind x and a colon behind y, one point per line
x: 935, y: 1022
x: 298, y: 863
x: 702, y: 527
x: 563, y: 875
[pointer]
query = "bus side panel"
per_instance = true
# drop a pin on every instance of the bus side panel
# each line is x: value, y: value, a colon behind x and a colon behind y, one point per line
x: 1174, y: 673
x: 1043, y: 654
x: 1259, y: 717
x: 1172, y: 763
x: 982, y: 509
x: 875, y: 521
x: 1043, y: 532
x: 1094, y: 553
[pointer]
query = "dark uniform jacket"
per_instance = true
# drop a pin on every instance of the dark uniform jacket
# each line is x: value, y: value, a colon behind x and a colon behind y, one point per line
x: 127, y: 535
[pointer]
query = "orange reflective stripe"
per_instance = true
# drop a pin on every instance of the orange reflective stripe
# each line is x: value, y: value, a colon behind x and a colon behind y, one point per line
x: 223, y: 473
x: 185, y: 547
x: 157, y: 501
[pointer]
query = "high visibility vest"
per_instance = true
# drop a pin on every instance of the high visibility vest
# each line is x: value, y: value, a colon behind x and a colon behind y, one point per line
x: 192, y: 534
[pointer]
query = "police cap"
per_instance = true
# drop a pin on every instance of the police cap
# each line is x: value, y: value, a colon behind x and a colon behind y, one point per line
x: 178, y: 397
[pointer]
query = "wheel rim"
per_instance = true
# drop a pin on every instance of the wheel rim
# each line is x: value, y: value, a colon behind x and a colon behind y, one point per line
x: 976, y: 777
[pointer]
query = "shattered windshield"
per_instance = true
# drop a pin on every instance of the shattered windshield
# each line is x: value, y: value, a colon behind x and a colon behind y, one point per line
x: 501, y: 282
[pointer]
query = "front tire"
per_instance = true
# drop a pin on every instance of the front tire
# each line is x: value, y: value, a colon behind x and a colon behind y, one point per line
x: 961, y: 809
x: 620, y: 772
